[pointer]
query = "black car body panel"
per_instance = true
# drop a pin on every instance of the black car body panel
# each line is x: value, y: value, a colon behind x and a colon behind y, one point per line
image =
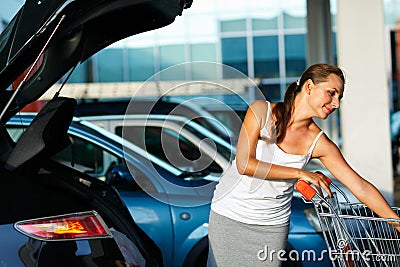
x: 78, y: 28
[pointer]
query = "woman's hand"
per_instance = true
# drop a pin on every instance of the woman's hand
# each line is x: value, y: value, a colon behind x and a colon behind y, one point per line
x: 318, y: 179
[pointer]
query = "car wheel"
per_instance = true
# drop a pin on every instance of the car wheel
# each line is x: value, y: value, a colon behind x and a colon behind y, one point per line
x: 198, y: 255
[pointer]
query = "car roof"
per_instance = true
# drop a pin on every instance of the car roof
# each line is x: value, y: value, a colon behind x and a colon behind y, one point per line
x: 164, y: 105
x: 181, y: 120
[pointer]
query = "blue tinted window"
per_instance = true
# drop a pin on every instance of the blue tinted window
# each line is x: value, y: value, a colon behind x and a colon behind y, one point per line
x: 266, y: 56
x: 295, y: 51
x: 110, y: 65
x: 294, y: 22
x: 203, y: 52
x: 272, y: 92
x: 80, y: 74
x: 238, y: 25
x: 334, y: 48
x: 171, y: 55
x: 141, y: 63
x: 265, y: 24
x: 234, y: 54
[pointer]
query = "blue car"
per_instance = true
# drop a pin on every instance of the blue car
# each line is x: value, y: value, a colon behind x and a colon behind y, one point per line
x: 171, y: 206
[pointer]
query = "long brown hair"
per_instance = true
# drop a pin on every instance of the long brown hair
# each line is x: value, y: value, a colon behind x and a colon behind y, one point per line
x: 318, y: 73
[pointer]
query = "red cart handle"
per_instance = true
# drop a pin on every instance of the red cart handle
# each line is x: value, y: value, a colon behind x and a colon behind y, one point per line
x: 306, y: 189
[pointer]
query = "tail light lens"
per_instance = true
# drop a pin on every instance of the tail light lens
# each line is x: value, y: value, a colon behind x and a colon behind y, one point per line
x: 82, y: 225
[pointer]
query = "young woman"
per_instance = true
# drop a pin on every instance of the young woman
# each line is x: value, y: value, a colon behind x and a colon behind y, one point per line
x: 251, y: 205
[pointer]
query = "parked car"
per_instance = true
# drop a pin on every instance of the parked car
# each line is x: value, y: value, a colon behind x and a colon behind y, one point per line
x: 230, y: 115
x: 169, y: 204
x: 51, y: 214
x: 176, y: 139
x: 159, y: 106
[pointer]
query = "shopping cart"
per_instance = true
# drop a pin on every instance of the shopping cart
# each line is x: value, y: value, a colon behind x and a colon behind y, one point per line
x: 355, y: 235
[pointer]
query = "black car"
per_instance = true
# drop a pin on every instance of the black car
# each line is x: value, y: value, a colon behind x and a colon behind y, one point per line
x: 50, y: 214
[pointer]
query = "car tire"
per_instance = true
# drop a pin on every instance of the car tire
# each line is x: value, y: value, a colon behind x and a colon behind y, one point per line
x: 198, y: 255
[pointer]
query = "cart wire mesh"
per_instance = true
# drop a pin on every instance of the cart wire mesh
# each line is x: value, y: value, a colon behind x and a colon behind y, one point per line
x: 354, y: 234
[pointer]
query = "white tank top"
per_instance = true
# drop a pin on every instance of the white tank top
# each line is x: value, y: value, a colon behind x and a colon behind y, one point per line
x: 259, y: 201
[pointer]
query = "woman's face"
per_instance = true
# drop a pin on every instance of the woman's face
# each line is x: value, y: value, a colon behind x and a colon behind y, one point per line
x: 326, y: 96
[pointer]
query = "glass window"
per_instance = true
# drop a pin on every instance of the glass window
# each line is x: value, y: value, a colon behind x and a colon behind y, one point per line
x: 391, y: 10
x: 171, y: 147
x: 265, y: 24
x: 272, y: 92
x: 223, y: 150
x: 334, y: 48
x: 234, y: 54
x: 87, y: 157
x: 81, y: 73
x: 333, y: 20
x: 110, y: 65
x: 294, y: 22
x: 237, y: 25
x: 141, y: 63
x: 266, y: 56
x: 295, y: 54
x: 15, y: 132
x: 171, y: 55
x: 203, y: 52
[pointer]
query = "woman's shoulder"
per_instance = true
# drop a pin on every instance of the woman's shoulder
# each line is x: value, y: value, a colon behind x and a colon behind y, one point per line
x: 262, y: 104
x: 324, y: 144
x: 261, y: 107
x: 260, y: 110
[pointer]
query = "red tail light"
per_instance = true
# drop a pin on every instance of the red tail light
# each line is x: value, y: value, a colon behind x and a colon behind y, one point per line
x: 82, y: 225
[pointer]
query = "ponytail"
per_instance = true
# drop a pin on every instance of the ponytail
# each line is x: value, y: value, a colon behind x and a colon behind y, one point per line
x: 283, y: 111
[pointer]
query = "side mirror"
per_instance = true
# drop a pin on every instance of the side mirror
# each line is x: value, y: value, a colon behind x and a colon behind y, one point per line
x: 120, y: 176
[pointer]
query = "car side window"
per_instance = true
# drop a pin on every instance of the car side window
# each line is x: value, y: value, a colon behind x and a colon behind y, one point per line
x: 15, y: 132
x: 86, y: 157
x: 98, y: 162
x: 170, y: 146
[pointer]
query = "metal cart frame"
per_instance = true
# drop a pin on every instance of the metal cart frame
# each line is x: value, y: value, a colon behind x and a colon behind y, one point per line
x: 354, y: 234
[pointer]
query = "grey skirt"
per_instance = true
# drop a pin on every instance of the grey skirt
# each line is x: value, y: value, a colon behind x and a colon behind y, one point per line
x: 233, y: 243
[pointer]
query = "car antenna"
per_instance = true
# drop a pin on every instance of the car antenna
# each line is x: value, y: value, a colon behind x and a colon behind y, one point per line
x: 30, y: 69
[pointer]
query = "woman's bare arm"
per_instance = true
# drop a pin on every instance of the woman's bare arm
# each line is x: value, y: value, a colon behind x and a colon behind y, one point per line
x: 330, y: 155
x: 246, y: 161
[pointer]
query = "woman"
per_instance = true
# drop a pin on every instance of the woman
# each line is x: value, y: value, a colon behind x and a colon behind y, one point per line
x: 251, y: 205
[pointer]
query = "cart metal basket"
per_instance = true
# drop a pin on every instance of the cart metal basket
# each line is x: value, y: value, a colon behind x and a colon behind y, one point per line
x: 355, y: 235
